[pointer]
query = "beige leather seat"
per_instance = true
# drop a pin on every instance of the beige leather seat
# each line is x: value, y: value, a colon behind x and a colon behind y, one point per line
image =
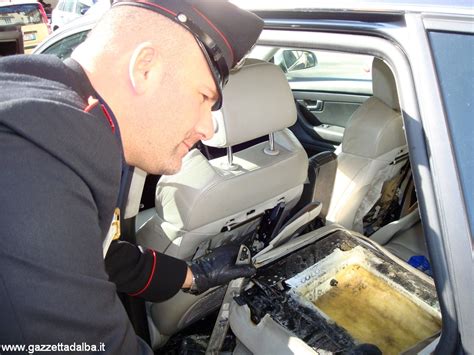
x: 404, y: 237
x: 206, y: 197
x: 373, y: 142
x: 409, y: 242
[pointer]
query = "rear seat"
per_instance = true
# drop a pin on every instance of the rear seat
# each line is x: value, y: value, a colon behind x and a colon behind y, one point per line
x: 408, y: 243
x: 404, y: 238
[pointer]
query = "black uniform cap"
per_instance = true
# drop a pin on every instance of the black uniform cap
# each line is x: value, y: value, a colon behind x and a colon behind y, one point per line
x: 224, y: 32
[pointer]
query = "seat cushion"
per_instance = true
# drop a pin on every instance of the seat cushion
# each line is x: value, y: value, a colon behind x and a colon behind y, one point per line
x: 408, y: 243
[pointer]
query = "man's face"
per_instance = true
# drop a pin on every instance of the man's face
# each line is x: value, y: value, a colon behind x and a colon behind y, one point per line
x: 178, y: 112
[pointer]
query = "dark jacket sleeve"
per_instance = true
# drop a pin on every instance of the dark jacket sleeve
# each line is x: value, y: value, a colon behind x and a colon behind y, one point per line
x: 143, y: 272
x: 53, y: 283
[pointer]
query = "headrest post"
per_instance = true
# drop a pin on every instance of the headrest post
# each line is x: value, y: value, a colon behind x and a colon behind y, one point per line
x: 230, y: 156
x: 271, y: 150
x: 230, y: 160
x: 271, y: 141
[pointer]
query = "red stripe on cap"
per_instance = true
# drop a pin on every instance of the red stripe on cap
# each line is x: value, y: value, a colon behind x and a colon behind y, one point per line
x: 149, y: 278
x: 217, y: 30
x: 159, y: 7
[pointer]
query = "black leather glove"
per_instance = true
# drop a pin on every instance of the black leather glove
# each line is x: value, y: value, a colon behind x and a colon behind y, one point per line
x: 218, y: 268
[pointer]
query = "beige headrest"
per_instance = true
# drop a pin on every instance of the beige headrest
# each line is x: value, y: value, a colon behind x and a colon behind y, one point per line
x: 257, y: 101
x: 373, y: 130
x: 383, y: 84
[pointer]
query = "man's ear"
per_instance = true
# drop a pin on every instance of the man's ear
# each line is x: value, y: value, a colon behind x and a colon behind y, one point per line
x: 144, y: 67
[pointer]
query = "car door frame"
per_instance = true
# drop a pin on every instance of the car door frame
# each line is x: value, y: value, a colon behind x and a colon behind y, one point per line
x: 455, y: 247
x: 389, y: 44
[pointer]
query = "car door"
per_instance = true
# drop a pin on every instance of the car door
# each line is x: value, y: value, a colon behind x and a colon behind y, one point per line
x: 64, y: 47
x: 327, y: 86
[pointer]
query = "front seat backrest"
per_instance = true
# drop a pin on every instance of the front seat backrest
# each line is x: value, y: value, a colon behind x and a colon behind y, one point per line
x: 206, y: 197
x: 373, y: 138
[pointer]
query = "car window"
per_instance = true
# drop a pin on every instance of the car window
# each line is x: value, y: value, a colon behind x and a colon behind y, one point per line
x: 65, y: 46
x: 80, y: 7
x: 24, y: 14
x: 61, y: 5
x: 69, y: 6
x: 457, y: 88
x: 304, y: 69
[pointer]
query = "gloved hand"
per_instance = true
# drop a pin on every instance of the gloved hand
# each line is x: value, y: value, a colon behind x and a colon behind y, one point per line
x: 218, y: 268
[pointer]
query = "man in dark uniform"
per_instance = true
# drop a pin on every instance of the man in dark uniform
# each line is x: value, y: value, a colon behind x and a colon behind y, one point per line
x: 138, y: 91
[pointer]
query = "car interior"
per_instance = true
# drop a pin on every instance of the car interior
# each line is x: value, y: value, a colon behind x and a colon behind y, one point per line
x: 254, y: 183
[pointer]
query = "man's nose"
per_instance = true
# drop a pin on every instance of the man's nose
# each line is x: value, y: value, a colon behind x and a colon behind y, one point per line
x: 205, y: 126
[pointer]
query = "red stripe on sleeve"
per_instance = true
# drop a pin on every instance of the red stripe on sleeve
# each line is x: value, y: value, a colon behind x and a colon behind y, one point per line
x: 149, y: 278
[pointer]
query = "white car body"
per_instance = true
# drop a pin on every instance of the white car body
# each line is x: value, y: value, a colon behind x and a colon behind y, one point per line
x: 68, y: 10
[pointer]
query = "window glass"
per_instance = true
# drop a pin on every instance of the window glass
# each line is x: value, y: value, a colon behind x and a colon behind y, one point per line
x: 24, y: 14
x: 69, y: 6
x: 320, y: 70
x: 81, y: 7
x: 64, y: 47
x: 456, y: 79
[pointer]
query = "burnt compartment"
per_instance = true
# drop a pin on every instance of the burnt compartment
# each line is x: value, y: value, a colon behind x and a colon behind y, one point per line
x: 307, y: 325
x: 278, y: 294
x: 300, y: 260
x: 375, y: 312
x: 270, y: 296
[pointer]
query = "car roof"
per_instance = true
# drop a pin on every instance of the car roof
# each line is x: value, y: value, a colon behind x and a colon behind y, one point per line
x: 386, y: 6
